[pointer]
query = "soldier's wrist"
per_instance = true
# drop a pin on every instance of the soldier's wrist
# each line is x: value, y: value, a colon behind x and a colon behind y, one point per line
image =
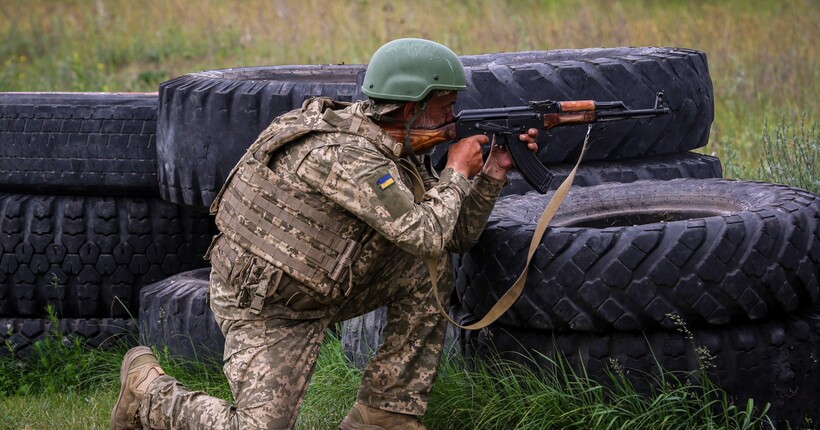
x: 491, y: 184
x: 457, y: 180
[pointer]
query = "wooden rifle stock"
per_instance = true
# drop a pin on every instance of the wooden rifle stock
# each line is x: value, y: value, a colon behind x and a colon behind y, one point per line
x: 422, y: 139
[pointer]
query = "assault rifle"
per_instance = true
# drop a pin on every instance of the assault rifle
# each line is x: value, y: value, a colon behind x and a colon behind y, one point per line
x: 508, y: 122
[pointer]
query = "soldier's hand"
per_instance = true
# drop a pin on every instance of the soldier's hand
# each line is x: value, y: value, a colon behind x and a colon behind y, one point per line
x: 500, y: 161
x: 465, y: 157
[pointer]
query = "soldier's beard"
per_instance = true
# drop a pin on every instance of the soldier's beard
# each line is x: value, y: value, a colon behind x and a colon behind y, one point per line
x: 426, y: 122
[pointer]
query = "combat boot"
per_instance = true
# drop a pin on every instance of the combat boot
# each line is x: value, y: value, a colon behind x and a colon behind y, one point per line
x: 139, y: 369
x: 363, y: 417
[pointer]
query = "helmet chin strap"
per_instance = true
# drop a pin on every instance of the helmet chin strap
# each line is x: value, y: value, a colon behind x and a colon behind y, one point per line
x: 408, y: 147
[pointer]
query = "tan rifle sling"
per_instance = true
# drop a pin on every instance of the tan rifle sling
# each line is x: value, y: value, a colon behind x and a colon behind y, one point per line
x: 509, y: 298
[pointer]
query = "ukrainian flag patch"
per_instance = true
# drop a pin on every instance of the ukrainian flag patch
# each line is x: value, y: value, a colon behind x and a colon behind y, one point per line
x: 385, y: 181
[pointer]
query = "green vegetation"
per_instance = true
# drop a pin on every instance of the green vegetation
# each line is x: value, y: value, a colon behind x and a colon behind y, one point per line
x: 512, y: 396
x: 792, y: 154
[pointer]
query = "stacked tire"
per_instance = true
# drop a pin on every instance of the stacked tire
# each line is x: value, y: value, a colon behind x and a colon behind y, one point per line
x: 82, y: 227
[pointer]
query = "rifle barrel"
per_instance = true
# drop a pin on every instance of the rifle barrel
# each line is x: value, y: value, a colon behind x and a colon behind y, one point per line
x: 569, y: 113
x: 610, y: 105
x: 636, y: 113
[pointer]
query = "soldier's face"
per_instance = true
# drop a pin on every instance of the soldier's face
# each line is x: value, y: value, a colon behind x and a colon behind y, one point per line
x: 439, y: 112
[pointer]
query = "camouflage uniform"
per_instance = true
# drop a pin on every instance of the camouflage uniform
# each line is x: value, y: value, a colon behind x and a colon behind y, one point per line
x: 274, y: 318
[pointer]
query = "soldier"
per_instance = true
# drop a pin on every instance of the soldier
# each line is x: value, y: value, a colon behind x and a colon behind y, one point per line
x: 322, y: 220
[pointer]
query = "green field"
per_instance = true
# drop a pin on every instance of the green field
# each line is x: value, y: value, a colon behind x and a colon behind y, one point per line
x: 763, y: 54
x: 763, y: 57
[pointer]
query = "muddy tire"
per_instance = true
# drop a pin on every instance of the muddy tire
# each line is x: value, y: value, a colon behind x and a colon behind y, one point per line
x: 627, y: 256
x: 174, y: 313
x: 89, y: 256
x: 78, y: 143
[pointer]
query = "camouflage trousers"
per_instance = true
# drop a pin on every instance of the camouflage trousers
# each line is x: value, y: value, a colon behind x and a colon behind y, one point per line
x: 270, y: 356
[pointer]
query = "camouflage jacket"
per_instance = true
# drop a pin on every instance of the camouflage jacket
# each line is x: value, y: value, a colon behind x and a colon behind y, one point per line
x: 357, y: 180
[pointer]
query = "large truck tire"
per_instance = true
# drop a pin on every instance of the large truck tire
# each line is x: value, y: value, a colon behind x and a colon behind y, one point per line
x: 663, y: 167
x: 174, y: 314
x: 207, y: 119
x: 79, y: 143
x: 632, y: 75
x: 88, y: 256
x: 630, y: 256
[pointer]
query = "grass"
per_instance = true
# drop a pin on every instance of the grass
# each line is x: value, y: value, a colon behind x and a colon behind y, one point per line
x: 507, y: 395
x: 763, y: 54
x: 66, y: 385
x: 791, y: 154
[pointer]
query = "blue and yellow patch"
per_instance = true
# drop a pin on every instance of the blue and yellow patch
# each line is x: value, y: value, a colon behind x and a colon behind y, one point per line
x: 385, y: 181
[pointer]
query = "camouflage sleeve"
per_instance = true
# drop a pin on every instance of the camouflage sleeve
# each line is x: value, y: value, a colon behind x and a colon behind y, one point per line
x: 368, y: 184
x: 475, y: 211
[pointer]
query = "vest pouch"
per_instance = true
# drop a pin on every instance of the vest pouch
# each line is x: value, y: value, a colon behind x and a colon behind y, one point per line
x: 303, y: 234
x: 254, y: 281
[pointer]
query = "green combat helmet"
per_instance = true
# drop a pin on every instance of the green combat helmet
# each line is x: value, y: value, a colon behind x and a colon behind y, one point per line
x: 408, y: 69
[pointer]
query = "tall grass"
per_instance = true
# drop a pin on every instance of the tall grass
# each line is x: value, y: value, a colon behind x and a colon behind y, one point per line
x: 792, y: 154
x: 505, y: 395
x: 763, y: 54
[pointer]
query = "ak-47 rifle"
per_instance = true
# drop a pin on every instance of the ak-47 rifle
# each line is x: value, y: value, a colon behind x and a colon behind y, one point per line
x: 508, y: 122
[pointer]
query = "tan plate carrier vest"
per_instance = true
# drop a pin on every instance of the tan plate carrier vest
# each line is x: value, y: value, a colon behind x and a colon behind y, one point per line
x: 307, y: 236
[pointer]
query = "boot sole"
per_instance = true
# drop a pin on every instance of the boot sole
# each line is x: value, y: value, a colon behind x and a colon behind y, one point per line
x: 129, y: 358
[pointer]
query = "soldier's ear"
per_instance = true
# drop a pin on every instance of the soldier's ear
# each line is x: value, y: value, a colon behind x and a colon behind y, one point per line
x: 410, y: 109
